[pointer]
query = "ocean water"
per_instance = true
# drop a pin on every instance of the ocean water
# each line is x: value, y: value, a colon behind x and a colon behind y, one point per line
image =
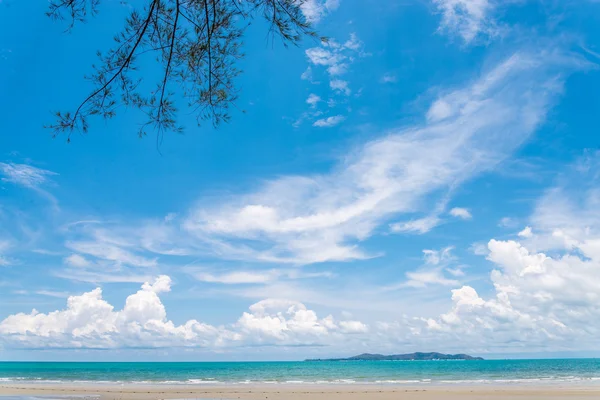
x: 351, y: 372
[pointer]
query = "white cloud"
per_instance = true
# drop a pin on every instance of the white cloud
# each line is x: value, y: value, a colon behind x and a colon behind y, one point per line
x: 329, y: 121
x: 353, y: 327
x: 335, y: 59
x: 541, y: 300
x: 332, y: 5
x: 236, y: 277
x: 420, y: 226
x: 337, y: 69
x: 456, y: 272
x: 526, y: 233
x: 459, y: 212
x: 438, y: 257
x: 508, y: 222
x: 312, y: 100
x: 89, y: 321
x: 111, y: 252
x: 283, y: 320
x: 76, y: 260
x: 340, y: 86
x: 315, y: 218
x: 30, y: 177
x: 5, y: 245
x: 432, y: 273
x: 52, y: 293
x: 323, y: 56
x: 307, y: 75
x: 315, y: 10
x: 420, y: 279
x: 389, y: 78
x: 479, y: 249
x: 353, y: 43
x: 25, y: 175
x: 467, y: 18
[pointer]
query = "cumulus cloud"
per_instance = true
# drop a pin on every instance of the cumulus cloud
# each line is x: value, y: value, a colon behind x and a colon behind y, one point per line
x: 526, y: 233
x: 340, y: 86
x: 312, y: 100
x: 306, y: 219
x: 460, y: 212
x: 540, y: 301
x: 283, y: 320
x: 324, y: 56
x: 89, y: 321
x: 353, y: 327
x: 543, y: 300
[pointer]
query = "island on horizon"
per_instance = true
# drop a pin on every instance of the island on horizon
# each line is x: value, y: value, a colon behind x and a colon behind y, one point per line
x: 402, y: 357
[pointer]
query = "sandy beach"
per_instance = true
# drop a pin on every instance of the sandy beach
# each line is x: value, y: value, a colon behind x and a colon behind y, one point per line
x: 142, y: 392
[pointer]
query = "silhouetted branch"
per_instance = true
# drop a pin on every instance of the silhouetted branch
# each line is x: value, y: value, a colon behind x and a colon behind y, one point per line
x: 198, y: 43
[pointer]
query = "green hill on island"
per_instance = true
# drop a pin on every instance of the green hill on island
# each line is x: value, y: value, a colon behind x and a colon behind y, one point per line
x: 402, y: 357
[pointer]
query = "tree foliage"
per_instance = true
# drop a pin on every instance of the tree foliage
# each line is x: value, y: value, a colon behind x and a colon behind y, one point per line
x: 196, y: 43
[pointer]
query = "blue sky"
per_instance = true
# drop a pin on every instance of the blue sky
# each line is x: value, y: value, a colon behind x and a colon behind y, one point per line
x: 426, y: 180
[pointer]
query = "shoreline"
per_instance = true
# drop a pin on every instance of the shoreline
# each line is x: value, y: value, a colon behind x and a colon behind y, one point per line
x: 298, y: 391
x: 213, y: 383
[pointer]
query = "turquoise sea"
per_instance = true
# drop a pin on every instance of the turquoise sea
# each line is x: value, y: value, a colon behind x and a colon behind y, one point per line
x: 352, y: 372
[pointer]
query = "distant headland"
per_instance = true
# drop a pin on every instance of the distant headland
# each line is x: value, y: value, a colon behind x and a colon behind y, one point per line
x: 402, y: 357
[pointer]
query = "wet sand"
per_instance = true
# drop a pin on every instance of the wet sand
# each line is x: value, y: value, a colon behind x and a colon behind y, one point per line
x: 299, y: 392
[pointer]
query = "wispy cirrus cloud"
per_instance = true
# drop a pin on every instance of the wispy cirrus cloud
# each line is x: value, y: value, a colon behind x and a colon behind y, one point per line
x: 5, y: 245
x: 241, y: 276
x: 307, y: 219
x: 24, y: 174
x: 30, y: 177
x: 434, y: 271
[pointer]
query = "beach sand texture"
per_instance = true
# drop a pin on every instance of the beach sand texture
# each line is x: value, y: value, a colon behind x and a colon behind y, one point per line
x: 148, y: 392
